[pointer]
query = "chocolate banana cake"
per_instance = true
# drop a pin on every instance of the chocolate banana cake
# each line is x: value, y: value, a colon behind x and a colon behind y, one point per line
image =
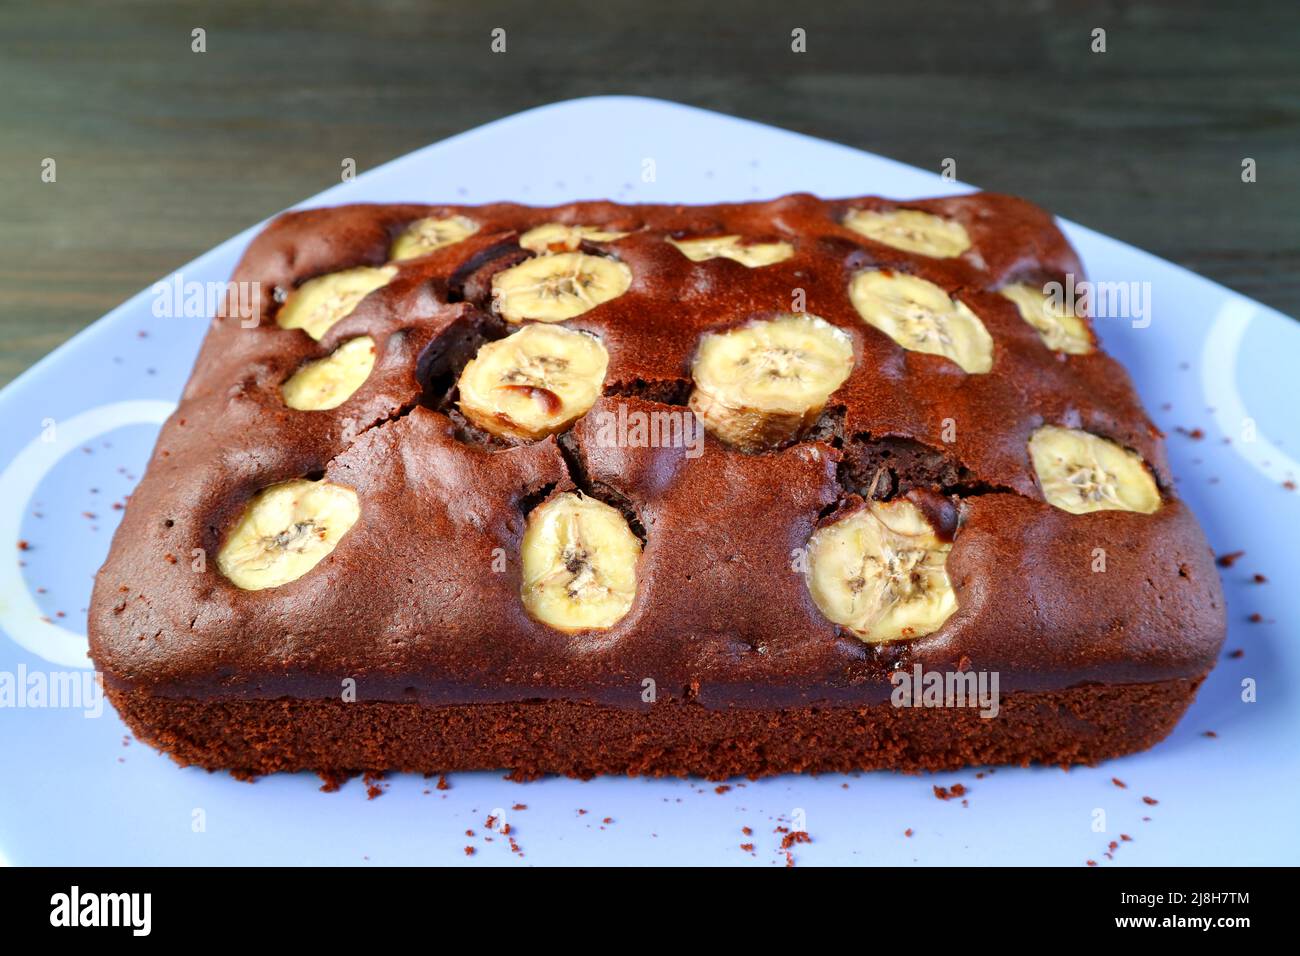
x: 744, y: 489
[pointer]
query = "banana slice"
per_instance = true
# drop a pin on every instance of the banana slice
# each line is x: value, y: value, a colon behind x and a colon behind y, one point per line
x: 752, y: 255
x: 765, y: 382
x: 319, y: 303
x: 533, y: 383
x: 558, y: 237
x: 425, y: 235
x: 285, y: 532
x: 1059, y: 328
x: 1080, y: 473
x: 329, y: 382
x: 920, y: 316
x: 912, y: 231
x: 558, y: 287
x: 579, y: 564
x: 880, y: 573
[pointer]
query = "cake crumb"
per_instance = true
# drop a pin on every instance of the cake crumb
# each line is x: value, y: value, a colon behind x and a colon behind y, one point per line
x: 948, y: 793
x: 332, y: 781
x: 1229, y: 559
x: 442, y: 782
x: 1150, y: 801
x: 1119, y: 783
x: 795, y: 836
x: 469, y: 851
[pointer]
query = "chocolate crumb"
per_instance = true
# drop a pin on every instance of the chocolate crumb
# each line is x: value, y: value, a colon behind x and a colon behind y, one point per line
x: 1119, y: 783
x: 469, y: 851
x: 796, y: 836
x: 1237, y: 654
x: 1150, y: 801
x: 1229, y: 559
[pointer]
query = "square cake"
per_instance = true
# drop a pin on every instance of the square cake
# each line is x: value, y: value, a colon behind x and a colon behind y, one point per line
x: 744, y: 489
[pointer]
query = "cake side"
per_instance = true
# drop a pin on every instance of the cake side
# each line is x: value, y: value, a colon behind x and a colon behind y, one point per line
x: 1083, y: 725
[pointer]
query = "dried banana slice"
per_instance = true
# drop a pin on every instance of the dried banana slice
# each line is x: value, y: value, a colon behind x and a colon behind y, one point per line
x: 765, y: 382
x: 285, y: 531
x: 329, y: 382
x: 558, y: 287
x: 558, y: 237
x: 880, y: 572
x: 1059, y: 328
x: 753, y: 255
x: 912, y: 231
x: 533, y: 383
x: 317, y: 304
x: 920, y: 316
x: 425, y: 235
x: 579, y: 563
x: 1080, y: 472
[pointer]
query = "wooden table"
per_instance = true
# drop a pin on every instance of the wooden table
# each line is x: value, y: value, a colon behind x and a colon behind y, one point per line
x: 162, y: 152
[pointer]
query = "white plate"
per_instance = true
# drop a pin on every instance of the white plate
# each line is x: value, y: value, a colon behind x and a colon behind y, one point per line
x: 80, y: 424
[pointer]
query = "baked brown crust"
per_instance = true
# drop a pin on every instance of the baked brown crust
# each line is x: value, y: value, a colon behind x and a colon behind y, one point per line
x: 407, y: 605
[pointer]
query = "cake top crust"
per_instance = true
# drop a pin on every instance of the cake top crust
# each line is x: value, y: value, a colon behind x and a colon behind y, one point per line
x: 420, y: 596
